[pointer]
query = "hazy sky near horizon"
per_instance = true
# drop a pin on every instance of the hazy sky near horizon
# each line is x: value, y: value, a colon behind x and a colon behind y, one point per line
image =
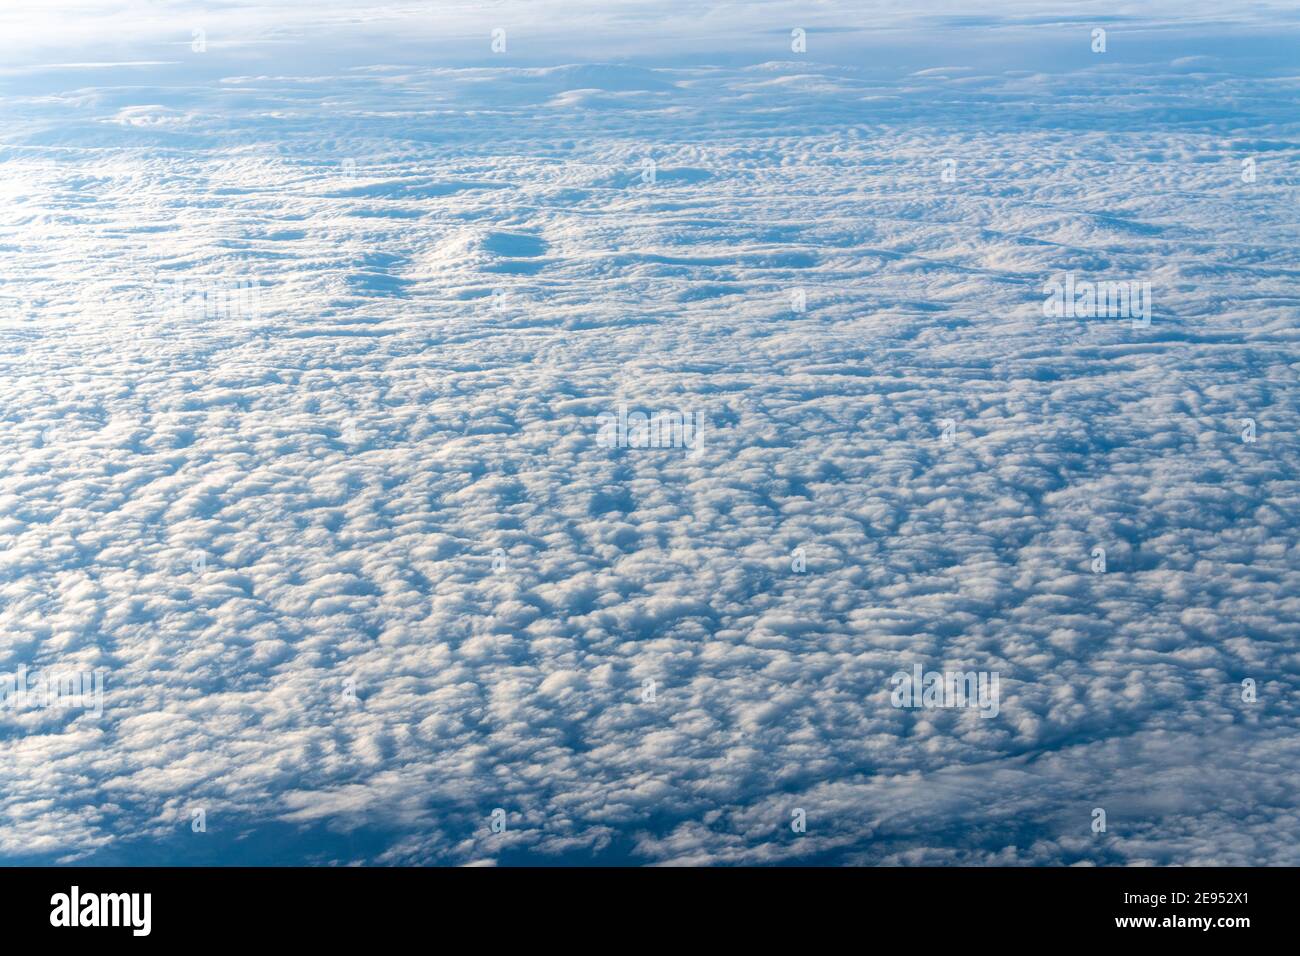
x: 547, y: 32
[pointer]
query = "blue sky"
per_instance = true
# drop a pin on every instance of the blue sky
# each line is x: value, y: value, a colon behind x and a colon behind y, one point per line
x: 309, y: 317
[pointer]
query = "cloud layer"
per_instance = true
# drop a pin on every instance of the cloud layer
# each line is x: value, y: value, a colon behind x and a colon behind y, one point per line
x: 359, y: 572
